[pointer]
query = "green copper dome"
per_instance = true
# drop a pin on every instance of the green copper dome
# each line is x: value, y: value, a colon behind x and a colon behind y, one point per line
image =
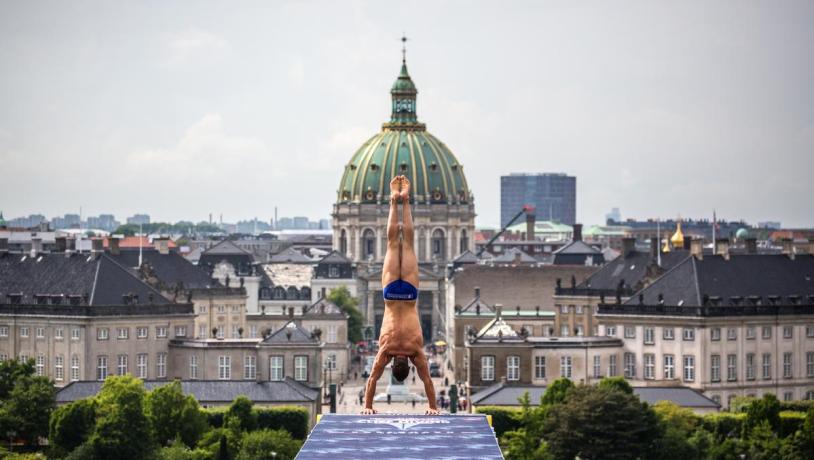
x: 404, y: 147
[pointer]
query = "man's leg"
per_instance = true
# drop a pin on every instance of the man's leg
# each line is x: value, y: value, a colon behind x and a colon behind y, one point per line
x: 409, y: 261
x: 390, y: 268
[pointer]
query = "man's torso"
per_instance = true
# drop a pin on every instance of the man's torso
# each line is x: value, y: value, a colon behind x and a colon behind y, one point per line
x: 401, y: 330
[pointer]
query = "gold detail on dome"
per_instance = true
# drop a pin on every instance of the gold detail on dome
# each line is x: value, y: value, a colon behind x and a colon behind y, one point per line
x: 666, y: 247
x: 677, y: 239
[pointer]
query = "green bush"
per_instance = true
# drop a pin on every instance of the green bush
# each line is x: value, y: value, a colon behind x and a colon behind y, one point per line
x: 796, y: 406
x: 723, y: 424
x: 268, y: 445
x: 293, y: 419
x: 503, y: 418
x: 215, y: 416
x: 790, y: 422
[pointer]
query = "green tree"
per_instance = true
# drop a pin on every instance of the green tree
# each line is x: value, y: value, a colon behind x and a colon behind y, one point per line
x: 27, y: 401
x: 179, y: 451
x: 616, y: 383
x: 679, y: 425
x: 340, y: 296
x: 556, y: 392
x: 211, y: 441
x: 71, y: 425
x: 526, y: 443
x: 223, y: 450
x: 763, y: 443
x: 268, y: 445
x: 241, y: 409
x: 765, y: 409
x: 173, y: 414
x: 600, y: 423
x: 122, y: 429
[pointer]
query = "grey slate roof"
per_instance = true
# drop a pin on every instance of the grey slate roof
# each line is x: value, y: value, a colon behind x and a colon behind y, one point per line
x: 96, y: 275
x: 298, y: 336
x: 170, y: 269
x: 335, y: 257
x: 466, y: 257
x: 290, y: 256
x: 631, y: 269
x: 211, y: 391
x: 324, y: 307
x: 502, y: 394
x: 577, y: 253
x: 228, y: 251
x: 511, y: 256
x: 745, y: 275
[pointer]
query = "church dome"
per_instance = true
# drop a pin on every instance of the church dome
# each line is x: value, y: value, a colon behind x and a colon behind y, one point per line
x: 677, y: 239
x: 404, y: 147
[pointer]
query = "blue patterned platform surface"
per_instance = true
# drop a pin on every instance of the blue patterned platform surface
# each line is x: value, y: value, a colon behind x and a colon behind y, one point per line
x: 403, y: 437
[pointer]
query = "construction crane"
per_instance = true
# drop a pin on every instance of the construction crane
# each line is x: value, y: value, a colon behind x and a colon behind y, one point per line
x: 527, y: 209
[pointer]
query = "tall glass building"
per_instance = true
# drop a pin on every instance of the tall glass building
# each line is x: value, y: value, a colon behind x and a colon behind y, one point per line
x: 554, y: 195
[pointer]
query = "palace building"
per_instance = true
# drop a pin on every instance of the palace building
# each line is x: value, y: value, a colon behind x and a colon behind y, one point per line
x: 443, y: 208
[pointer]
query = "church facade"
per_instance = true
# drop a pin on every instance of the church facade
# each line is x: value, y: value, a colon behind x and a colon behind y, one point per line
x: 443, y: 207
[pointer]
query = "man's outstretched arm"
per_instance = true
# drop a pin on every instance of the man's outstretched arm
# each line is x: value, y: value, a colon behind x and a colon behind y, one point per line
x: 422, y: 367
x: 370, y: 387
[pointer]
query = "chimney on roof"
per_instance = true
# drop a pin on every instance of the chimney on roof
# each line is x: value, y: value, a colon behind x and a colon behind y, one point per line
x: 477, y: 292
x: 518, y: 257
x: 477, y: 309
x: 577, y: 232
x: 97, y: 245
x: 60, y: 244
x: 113, y: 245
x: 688, y: 242
x: 628, y: 246
x: 498, y: 310
x: 722, y: 247
x: 530, y: 218
x: 697, y: 249
x: 788, y: 247
x: 322, y: 293
x: 162, y: 244
x: 36, y: 246
x: 291, y: 312
x: 751, y: 245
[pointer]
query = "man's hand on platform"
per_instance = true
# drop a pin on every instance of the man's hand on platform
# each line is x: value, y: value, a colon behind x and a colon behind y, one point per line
x: 432, y: 412
x: 369, y: 411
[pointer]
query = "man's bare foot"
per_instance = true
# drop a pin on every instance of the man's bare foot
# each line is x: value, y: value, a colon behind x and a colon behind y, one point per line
x: 405, y: 189
x: 395, y: 188
x: 370, y: 411
x: 432, y: 412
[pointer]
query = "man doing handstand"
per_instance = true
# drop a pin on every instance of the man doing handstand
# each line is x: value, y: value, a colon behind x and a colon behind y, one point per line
x: 400, y: 339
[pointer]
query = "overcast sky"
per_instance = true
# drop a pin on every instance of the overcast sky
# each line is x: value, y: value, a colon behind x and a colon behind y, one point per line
x: 179, y: 109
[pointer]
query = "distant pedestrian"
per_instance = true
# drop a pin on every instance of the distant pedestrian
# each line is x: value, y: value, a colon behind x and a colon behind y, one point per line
x: 413, y: 403
x: 388, y: 399
x: 413, y: 378
x: 446, y: 381
x: 355, y: 375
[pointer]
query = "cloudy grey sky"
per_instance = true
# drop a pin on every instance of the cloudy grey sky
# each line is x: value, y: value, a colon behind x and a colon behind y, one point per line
x: 179, y: 109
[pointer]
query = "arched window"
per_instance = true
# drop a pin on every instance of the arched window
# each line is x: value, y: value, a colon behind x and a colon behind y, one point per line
x: 464, y: 241
x: 438, y: 244
x: 369, y: 244
x: 305, y: 293
x: 292, y: 293
x: 265, y: 293
x: 343, y: 242
x: 279, y: 293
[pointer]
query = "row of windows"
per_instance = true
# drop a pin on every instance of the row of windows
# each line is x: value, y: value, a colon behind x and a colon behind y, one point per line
x: 787, y: 396
x: 59, y: 365
x: 276, y: 371
x: 221, y: 308
x: 688, y: 334
x: 120, y: 366
x: 102, y: 333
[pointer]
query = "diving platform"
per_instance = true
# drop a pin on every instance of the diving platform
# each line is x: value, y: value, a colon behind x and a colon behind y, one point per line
x: 401, y: 436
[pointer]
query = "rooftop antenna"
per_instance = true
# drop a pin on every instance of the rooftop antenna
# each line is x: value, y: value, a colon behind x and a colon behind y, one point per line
x: 658, y: 243
x: 139, y: 244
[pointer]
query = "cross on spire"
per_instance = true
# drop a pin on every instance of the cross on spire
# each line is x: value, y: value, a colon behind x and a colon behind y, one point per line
x: 403, y: 48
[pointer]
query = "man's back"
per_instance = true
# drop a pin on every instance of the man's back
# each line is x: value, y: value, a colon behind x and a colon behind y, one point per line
x: 401, y: 329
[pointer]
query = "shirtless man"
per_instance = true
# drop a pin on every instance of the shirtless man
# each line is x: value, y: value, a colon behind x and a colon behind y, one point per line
x: 400, y: 339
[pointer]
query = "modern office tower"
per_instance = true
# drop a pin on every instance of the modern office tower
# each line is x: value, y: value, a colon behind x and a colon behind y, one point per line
x: 553, y: 195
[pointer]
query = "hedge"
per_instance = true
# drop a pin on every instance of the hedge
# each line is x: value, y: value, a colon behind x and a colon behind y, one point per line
x: 722, y: 424
x: 293, y: 419
x: 503, y: 418
x: 796, y: 406
x: 790, y: 422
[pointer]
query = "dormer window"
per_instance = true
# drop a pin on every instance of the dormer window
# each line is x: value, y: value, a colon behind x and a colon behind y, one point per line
x: 433, y: 166
x: 374, y: 167
x: 403, y: 166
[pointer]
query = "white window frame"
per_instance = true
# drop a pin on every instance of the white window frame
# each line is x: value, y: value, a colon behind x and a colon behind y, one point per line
x: 689, y: 368
x: 539, y: 367
x: 59, y: 368
x: 649, y: 366
x: 161, y: 332
x: 668, y: 333
x: 59, y: 333
x: 276, y: 368
x: 75, y: 333
x: 513, y: 368
x: 630, y: 332
x: 715, y: 334
x: 180, y: 331
x: 565, y: 366
x: 301, y: 368
x: 4, y: 331
x: 613, y: 370
x: 750, y: 333
x: 224, y: 367
x: 74, y: 368
x: 750, y: 366
x: 597, y: 366
x: 688, y: 334
x: 101, y: 367
x: 669, y: 367
x: 331, y: 336
x: 142, y: 332
x: 788, y: 369
x: 249, y: 367
x: 122, y: 333
x: 629, y: 361
x: 24, y: 331
x: 102, y: 333
x: 610, y: 331
x: 121, y: 364
x: 732, y: 333
x: 767, y: 366
x: 715, y: 368
x: 731, y: 368
x: 649, y: 335
x: 193, y: 367
x: 161, y: 365
x: 40, y: 331
x: 487, y: 368
x: 141, y: 366
x: 788, y: 332
x: 766, y: 332
x: 39, y: 364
